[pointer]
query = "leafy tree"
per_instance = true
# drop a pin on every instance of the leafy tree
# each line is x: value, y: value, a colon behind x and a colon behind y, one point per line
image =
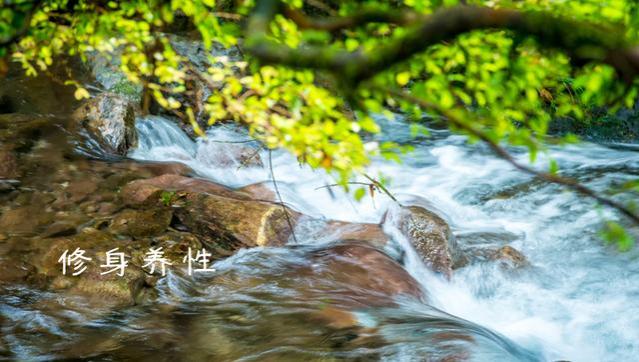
x: 314, y: 72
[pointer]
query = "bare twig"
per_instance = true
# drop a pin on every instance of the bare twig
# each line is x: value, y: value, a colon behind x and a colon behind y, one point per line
x: 279, y: 196
x: 227, y: 16
x: 350, y: 183
x: 382, y: 188
x: 372, y: 184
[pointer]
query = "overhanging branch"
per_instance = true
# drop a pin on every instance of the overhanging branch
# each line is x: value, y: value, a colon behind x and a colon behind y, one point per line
x: 583, y: 42
x: 569, y: 183
x: 365, y: 16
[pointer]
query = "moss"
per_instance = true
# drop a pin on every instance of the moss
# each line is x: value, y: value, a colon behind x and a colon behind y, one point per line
x: 128, y: 89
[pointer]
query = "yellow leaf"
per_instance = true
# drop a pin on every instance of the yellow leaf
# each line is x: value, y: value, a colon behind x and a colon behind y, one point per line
x: 81, y: 93
x: 402, y: 78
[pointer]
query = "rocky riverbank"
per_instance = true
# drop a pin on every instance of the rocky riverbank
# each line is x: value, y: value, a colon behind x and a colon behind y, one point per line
x: 66, y: 183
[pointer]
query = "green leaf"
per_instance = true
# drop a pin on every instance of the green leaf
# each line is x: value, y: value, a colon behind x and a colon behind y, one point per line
x: 360, y: 193
x: 613, y: 233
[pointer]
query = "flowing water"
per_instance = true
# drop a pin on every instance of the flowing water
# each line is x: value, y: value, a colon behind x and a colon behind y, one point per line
x: 577, y: 301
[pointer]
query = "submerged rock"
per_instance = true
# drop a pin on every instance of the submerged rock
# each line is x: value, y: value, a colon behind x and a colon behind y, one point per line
x: 507, y: 256
x: 347, y: 275
x: 510, y: 257
x: 101, y: 289
x: 15, y: 271
x: 60, y: 228
x: 19, y: 130
x: 8, y: 164
x: 431, y: 237
x: 259, y: 191
x: 25, y: 219
x: 80, y: 190
x: 110, y: 121
x: 231, y: 155
x: 373, y: 278
x: 373, y: 234
x: 141, y: 223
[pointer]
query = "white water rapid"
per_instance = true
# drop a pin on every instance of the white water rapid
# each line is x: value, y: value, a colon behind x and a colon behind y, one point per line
x: 579, y: 299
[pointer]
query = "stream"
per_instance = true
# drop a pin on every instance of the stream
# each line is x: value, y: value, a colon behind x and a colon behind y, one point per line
x: 577, y: 300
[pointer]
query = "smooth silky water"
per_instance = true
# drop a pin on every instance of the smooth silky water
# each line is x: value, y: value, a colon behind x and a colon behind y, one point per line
x: 577, y: 301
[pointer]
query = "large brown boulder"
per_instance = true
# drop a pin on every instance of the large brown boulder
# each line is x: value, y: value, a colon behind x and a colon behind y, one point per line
x: 326, y: 287
x: 42, y: 94
x: 431, y: 237
x: 348, y: 275
x: 148, y: 191
x: 232, y: 224
x: 110, y: 121
x: 225, y: 219
x: 22, y: 130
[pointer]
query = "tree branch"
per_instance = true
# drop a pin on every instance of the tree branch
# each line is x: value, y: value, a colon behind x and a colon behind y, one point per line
x: 571, y: 184
x: 583, y: 42
x: 365, y: 16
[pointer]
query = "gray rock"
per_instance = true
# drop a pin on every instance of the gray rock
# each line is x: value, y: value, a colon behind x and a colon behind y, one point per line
x: 431, y: 237
x: 110, y: 121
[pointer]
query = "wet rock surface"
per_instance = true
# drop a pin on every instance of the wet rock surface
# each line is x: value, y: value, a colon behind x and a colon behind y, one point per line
x: 54, y: 200
x: 8, y: 164
x: 431, y: 237
x: 227, y: 219
x: 110, y: 121
x: 260, y: 191
x: 230, y: 155
x: 41, y: 95
x: 507, y: 257
x: 141, y: 223
x: 372, y: 234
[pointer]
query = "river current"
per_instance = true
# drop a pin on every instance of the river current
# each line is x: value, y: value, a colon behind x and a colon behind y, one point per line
x: 577, y: 301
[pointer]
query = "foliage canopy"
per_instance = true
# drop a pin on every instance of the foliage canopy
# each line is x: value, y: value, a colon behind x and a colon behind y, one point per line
x: 315, y: 72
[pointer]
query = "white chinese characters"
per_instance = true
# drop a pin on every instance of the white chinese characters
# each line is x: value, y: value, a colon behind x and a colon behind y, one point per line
x: 202, y: 257
x: 76, y: 260
x: 115, y: 262
x: 156, y: 257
